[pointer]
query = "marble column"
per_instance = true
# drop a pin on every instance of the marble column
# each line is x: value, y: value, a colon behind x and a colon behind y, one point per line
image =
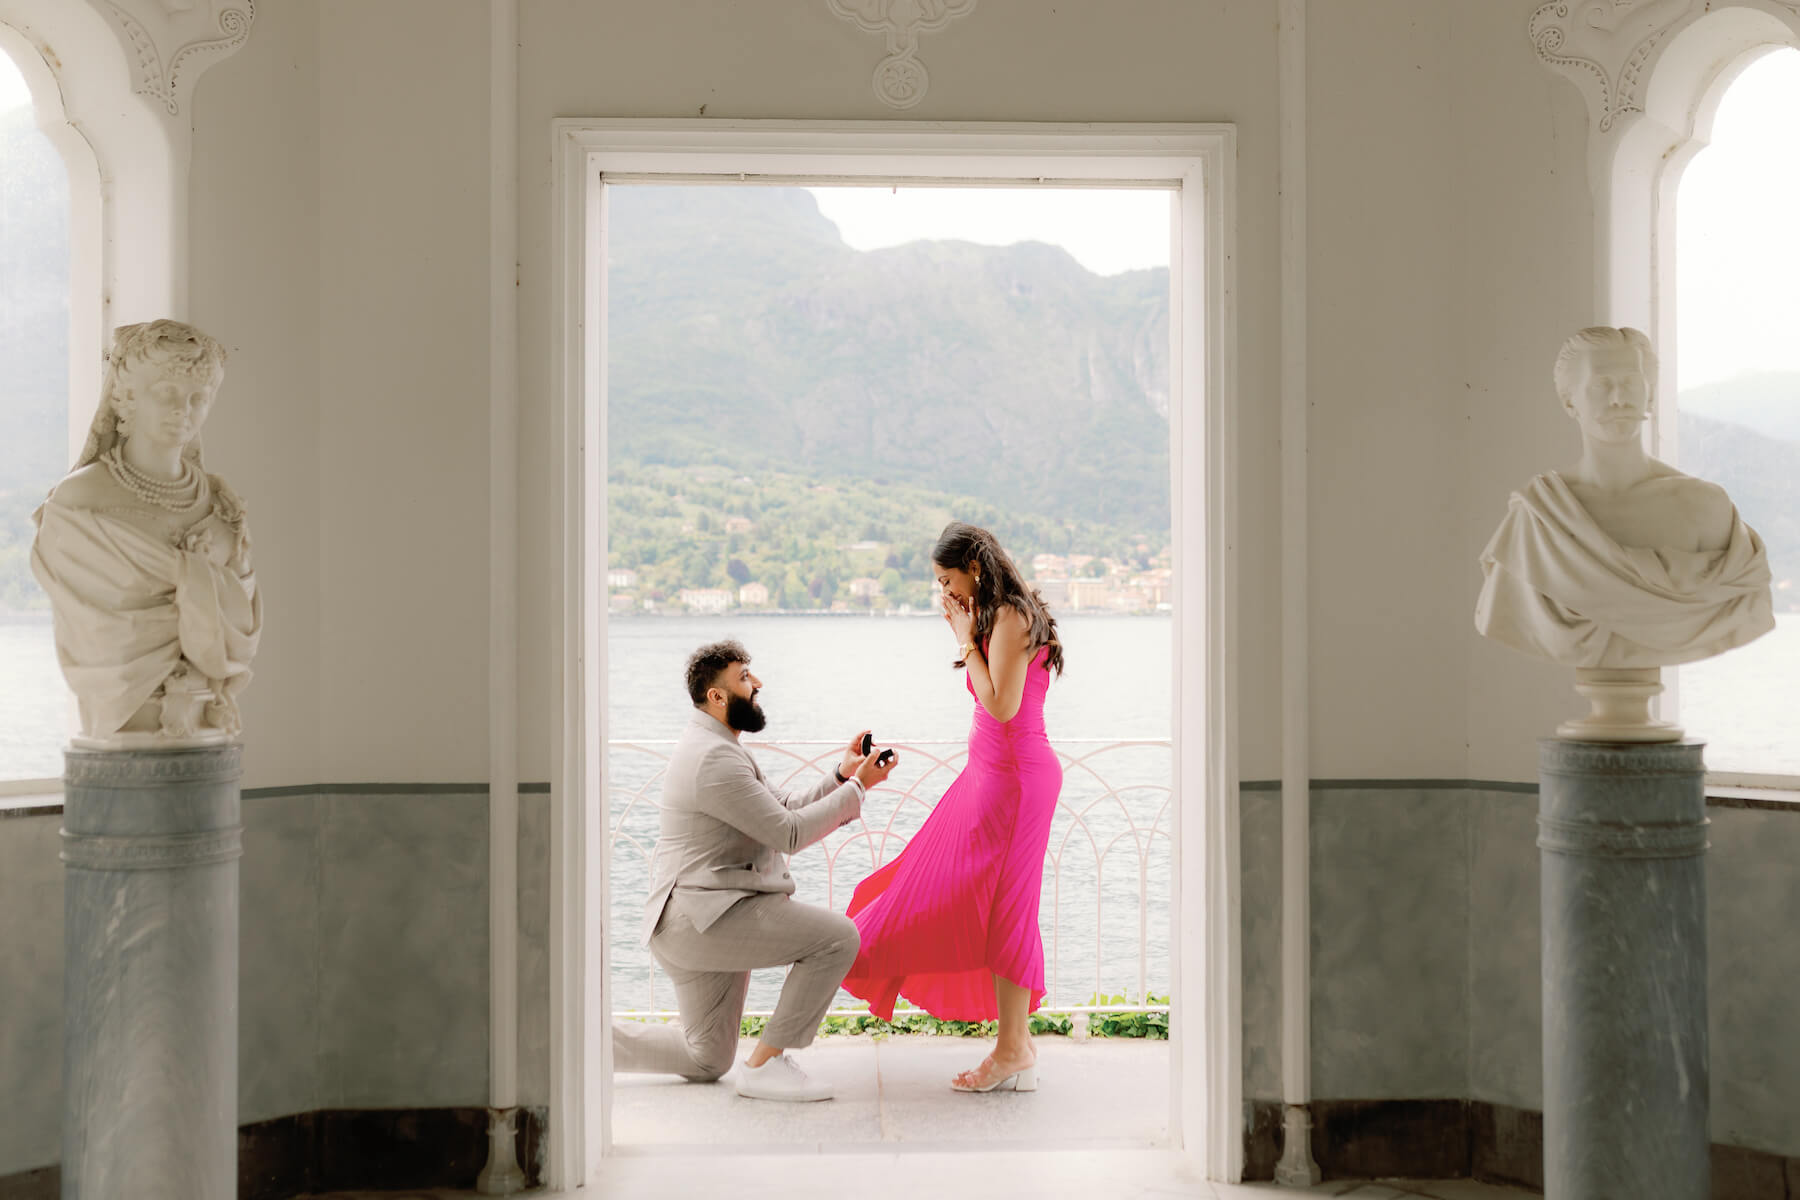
x: 151, y: 839
x: 1622, y: 833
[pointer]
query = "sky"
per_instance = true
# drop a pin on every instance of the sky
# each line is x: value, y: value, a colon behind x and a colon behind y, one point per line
x: 1737, y: 240
x: 1106, y: 230
x: 13, y: 91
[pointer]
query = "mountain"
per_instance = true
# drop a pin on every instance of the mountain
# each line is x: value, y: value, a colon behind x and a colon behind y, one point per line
x: 742, y: 331
x: 1762, y: 476
x: 1766, y: 401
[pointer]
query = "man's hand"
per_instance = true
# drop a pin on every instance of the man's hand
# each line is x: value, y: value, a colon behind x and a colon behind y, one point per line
x: 853, y: 756
x: 873, y: 770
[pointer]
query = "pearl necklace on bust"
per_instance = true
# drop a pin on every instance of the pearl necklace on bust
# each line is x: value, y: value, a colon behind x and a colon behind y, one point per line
x: 176, y: 495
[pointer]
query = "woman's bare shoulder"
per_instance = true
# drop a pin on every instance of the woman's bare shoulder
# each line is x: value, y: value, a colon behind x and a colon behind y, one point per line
x: 1012, y: 618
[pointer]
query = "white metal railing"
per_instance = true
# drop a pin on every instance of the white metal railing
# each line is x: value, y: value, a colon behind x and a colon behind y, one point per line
x: 1114, y: 811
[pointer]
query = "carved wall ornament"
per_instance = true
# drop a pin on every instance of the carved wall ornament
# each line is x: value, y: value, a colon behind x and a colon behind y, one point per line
x: 194, y: 33
x: 1604, y: 46
x: 900, y: 79
x: 1608, y: 46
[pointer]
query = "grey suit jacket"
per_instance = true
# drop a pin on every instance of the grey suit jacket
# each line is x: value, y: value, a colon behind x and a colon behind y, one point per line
x: 725, y: 830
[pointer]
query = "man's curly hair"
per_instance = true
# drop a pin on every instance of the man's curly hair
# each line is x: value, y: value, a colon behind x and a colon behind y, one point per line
x: 705, y: 665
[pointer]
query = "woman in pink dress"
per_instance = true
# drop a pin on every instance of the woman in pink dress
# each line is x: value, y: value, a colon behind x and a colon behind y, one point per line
x: 952, y: 922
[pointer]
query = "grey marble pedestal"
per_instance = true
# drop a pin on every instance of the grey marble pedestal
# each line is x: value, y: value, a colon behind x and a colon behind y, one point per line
x: 151, y: 840
x: 1622, y: 834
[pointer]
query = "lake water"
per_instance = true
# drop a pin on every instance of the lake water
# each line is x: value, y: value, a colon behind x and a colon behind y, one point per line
x: 36, y: 711
x: 1745, y: 704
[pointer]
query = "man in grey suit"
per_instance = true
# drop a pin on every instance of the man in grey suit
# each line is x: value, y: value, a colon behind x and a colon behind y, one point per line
x: 721, y: 898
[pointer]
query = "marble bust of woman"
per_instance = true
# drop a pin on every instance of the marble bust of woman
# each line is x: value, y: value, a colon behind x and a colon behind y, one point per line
x: 1621, y: 564
x: 146, y: 557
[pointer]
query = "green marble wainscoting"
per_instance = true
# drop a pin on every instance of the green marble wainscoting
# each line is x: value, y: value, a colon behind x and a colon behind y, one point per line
x: 1427, y: 1018
x: 363, y: 984
x: 363, y: 988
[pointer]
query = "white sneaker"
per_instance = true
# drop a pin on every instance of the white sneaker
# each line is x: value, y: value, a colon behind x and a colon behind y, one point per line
x: 780, y: 1079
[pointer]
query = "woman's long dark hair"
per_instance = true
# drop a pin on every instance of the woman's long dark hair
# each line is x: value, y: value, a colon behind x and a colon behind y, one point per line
x: 973, y: 549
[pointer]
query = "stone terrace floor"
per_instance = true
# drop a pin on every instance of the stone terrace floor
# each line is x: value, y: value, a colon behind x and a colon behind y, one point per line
x: 897, y: 1132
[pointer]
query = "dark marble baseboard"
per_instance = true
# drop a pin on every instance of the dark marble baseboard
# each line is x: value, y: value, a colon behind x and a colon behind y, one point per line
x: 44, y: 1183
x: 1370, y: 1139
x: 376, y: 1149
x: 354, y: 1149
x: 1506, y: 1145
x: 1262, y: 1138
x: 1451, y: 1139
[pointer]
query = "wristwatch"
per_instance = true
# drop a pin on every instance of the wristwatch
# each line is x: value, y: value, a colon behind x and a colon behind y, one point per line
x: 839, y: 773
x: 968, y: 648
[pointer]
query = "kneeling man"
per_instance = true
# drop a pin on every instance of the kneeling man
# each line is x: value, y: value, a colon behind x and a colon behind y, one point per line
x: 721, y: 899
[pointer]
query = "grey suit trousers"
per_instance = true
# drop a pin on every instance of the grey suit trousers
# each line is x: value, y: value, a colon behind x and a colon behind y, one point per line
x: 711, y: 974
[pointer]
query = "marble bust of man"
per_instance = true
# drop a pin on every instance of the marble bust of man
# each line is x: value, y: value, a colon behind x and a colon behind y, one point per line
x: 146, y: 557
x: 1620, y: 562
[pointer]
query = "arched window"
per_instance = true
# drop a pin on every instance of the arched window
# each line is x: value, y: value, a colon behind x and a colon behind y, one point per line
x: 1737, y: 335
x: 116, y: 140
x: 34, y: 425
x: 1692, y: 158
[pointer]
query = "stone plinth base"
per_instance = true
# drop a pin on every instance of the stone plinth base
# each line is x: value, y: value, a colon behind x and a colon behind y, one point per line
x: 151, y: 840
x: 1622, y: 838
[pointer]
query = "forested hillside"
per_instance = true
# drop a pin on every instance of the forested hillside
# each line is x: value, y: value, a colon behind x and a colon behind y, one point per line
x: 743, y: 332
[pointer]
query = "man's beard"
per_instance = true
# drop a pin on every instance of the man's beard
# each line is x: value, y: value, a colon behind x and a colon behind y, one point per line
x: 743, y: 714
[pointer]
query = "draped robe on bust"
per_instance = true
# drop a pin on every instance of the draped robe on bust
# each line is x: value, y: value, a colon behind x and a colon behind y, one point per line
x: 129, y: 607
x: 1556, y: 585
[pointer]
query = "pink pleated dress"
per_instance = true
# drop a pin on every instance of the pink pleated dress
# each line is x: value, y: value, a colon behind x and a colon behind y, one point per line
x: 960, y: 903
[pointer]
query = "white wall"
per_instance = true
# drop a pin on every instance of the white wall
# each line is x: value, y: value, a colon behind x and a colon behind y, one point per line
x: 340, y: 245
x: 254, y: 231
x: 403, y: 398
x: 1526, y: 259
x: 1385, y: 434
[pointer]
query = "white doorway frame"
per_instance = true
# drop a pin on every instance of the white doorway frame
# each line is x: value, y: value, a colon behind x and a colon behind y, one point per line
x: 1199, y: 162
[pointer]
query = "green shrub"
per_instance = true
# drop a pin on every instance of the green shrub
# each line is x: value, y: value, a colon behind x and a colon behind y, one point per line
x: 1153, y: 1025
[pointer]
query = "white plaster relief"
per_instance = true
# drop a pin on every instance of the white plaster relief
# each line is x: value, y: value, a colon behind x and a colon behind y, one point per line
x: 1604, y: 46
x: 900, y: 79
x: 197, y: 32
x: 1607, y: 47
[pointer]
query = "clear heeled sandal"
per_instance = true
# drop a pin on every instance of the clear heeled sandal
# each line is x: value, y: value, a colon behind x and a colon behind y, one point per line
x: 1022, y: 1080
